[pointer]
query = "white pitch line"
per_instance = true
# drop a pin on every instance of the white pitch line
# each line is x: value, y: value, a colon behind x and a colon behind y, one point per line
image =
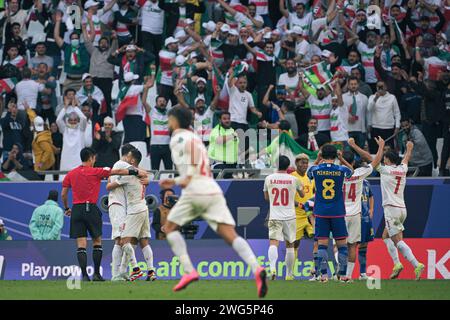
x: 27, y: 226
x: 18, y: 200
x: 19, y: 232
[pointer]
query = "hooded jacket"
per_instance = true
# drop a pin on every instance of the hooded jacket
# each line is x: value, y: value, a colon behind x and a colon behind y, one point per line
x: 43, y: 150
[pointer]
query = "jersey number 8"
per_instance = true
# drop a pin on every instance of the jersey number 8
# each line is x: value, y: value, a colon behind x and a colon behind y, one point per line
x: 328, y: 189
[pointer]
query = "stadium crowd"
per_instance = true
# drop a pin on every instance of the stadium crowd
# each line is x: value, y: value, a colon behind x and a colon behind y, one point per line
x: 85, y: 73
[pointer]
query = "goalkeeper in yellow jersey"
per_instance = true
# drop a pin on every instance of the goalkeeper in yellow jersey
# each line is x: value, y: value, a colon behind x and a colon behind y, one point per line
x: 303, y: 225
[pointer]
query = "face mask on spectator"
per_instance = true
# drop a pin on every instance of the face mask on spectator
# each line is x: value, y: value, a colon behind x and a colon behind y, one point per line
x: 75, y: 42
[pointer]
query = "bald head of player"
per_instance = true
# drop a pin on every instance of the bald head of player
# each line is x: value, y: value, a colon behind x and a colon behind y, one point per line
x: 179, y: 118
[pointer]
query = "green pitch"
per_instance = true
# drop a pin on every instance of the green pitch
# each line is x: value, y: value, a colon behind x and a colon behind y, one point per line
x: 225, y: 289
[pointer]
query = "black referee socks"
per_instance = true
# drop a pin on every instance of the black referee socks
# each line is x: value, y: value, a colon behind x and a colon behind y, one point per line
x: 97, y: 257
x: 82, y: 260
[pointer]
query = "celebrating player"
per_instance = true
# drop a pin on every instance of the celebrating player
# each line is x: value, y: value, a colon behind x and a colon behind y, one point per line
x: 352, y: 194
x: 393, y: 181
x: 280, y: 190
x: 367, y: 234
x: 329, y: 209
x: 201, y: 197
x: 136, y: 225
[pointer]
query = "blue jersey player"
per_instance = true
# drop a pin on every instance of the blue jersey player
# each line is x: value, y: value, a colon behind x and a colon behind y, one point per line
x: 367, y: 234
x: 329, y: 208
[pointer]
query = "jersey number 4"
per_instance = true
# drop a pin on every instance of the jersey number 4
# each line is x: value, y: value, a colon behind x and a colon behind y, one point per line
x: 351, y: 192
x: 283, y: 194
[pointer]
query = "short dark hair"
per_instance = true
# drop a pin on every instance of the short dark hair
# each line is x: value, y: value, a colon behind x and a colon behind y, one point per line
x: 163, y: 192
x: 76, y: 33
x: 353, y: 78
x: 15, y: 23
x: 41, y: 43
x: 329, y: 152
x: 395, y: 6
x: 283, y: 163
x: 398, y: 65
x: 160, y: 96
x: 284, y: 125
x: 68, y: 90
x: 224, y: 113
x: 86, y: 154
x: 126, y: 148
x: 53, y: 195
x: 137, y: 155
x: 183, y: 116
x: 348, y: 156
x: 26, y: 73
x: 393, y: 157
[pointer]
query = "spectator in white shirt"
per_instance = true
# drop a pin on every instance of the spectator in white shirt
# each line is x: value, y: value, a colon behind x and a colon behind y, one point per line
x: 27, y: 91
x: 240, y: 101
x: 356, y: 105
x: 384, y: 114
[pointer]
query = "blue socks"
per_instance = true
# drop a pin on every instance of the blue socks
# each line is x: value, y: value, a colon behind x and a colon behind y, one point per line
x: 322, y: 257
x: 342, y: 260
x: 362, y: 260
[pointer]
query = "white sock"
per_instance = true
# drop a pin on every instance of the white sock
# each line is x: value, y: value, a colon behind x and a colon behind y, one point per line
x: 116, y: 259
x: 148, y: 256
x: 273, y: 257
x: 130, y: 255
x: 289, y: 259
x: 407, y: 253
x: 179, y: 248
x: 392, y: 250
x: 243, y: 249
x: 350, y: 267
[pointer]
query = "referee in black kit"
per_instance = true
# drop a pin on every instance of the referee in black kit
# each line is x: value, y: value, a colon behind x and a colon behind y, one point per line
x: 85, y: 215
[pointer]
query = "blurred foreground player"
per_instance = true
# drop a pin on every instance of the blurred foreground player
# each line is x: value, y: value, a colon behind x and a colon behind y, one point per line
x: 280, y: 189
x: 85, y: 215
x: 329, y: 209
x: 367, y: 233
x: 201, y: 197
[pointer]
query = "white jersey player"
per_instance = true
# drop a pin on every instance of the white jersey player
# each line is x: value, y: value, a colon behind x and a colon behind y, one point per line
x: 129, y: 219
x: 201, y: 197
x: 280, y: 189
x: 393, y: 181
x: 353, y: 188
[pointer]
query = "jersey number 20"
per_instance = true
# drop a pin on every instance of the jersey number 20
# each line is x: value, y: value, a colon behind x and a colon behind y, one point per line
x: 328, y: 191
x: 283, y: 194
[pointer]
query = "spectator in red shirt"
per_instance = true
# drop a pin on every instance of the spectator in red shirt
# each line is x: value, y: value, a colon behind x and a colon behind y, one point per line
x: 85, y: 183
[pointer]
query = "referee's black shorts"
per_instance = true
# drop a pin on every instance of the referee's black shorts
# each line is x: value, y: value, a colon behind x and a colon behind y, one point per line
x: 82, y: 221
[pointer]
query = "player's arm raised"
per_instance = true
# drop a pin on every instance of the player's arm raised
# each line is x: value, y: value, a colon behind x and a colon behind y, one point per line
x: 343, y: 161
x: 363, y: 153
x: 408, y: 153
x: 379, y: 156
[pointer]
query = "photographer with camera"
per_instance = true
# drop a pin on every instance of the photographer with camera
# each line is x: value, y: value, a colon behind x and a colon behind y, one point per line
x: 168, y: 200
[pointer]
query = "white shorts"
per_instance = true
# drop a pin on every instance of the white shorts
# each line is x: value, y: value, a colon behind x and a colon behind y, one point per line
x: 282, y: 230
x: 211, y: 208
x: 394, y: 218
x: 137, y: 226
x: 353, y: 224
x: 117, y: 216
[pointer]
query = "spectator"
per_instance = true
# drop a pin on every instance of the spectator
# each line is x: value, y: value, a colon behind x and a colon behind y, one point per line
x: 15, y: 160
x: 90, y: 125
x: 43, y: 150
x: 48, y: 219
x: 90, y: 22
x: 13, y: 38
x: 4, y: 235
x: 339, y: 118
x: 124, y: 22
x: 364, y: 88
x: 152, y: 26
x: 313, y: 140
x: 41, y: 57
x: 385, y: 116
x: 411, y: 103
x: 91, y: 96
x: 72, y: 125
x: 15, y: 129
x: 76, y: 57
x: 53, y: 49
x: 356, y: 105
x: 223, y: 144
x: 14, y: 58
x: 27, y: 91
x: 101, y: 70
x: 46, y: 100
x: 17, y: 15
x: 57, y: 140
x: 421, y: 156
x: 177, y: 14
x: 107, y: 144
x: 167, y: 57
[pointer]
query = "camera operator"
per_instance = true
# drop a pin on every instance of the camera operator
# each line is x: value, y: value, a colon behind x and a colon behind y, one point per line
x: 168, y: 200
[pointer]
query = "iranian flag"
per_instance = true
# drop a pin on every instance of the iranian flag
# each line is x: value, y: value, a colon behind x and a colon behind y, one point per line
x: 7, y: 85
x: 224, y: 97
x: 318, y: 74
x: 130, y: 99
x: 285, y: 145
x: 433, y: 67
x: 262, y: 55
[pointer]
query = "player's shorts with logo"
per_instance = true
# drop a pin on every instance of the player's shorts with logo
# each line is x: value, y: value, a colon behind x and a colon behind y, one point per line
x: 212, y: 208
x: 325, y: 225
x: 353, y: 224
x: 137, y: 226
x: 367, y: 233
x: 303, y: 226
x: 394, y: 218
x: 117, y: 216
x: 85, y: 218
x: 282, y: 230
